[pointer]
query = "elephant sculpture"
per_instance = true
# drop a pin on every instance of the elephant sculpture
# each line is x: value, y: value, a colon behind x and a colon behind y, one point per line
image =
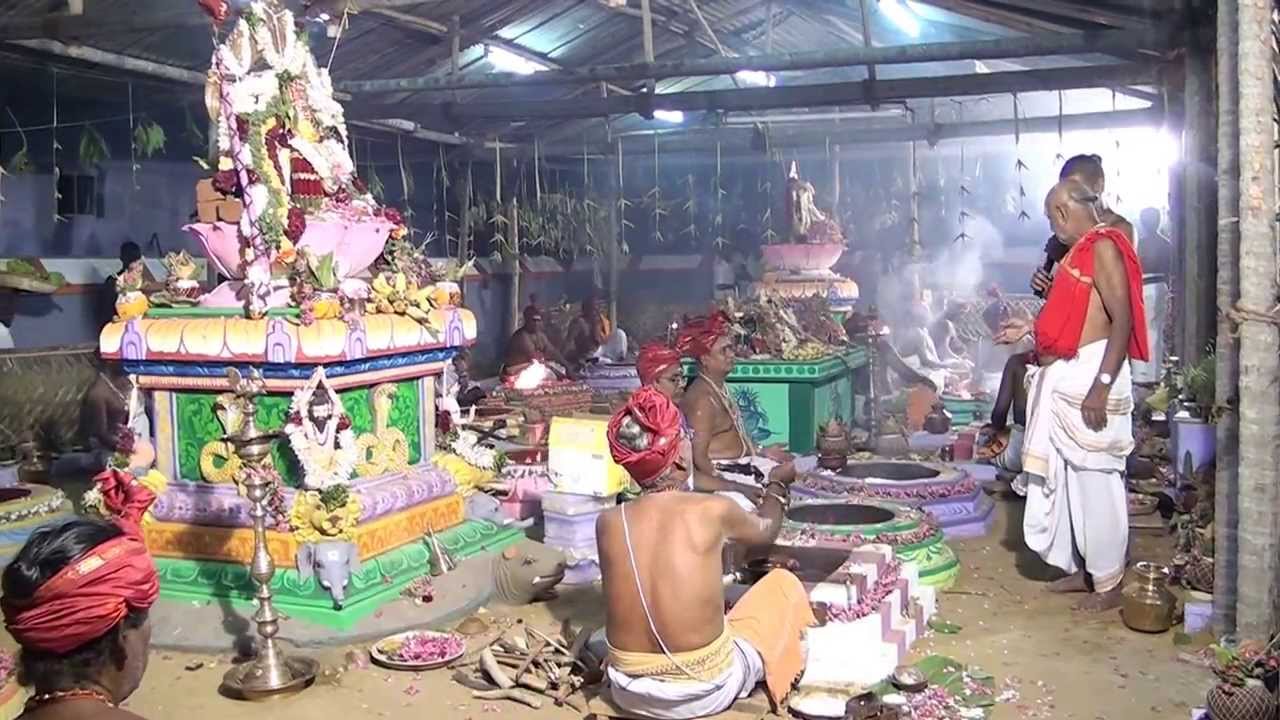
x: 332, y: 563
x: 525, y: 572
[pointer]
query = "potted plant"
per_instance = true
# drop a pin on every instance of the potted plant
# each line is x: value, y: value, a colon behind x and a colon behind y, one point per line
x: 1187, y: 399
x: 1246, y: 681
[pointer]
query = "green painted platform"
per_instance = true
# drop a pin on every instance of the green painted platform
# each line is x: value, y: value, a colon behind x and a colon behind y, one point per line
x: 786, y: 402
x: 379, y: 580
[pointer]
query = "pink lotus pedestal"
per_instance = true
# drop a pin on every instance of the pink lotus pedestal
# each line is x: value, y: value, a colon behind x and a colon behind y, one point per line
x: 801, y: 257
x: 354, y: 244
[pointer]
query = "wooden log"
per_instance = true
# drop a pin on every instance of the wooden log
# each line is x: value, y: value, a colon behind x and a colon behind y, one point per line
x: 1259, y: 499
x: 1227, y: 482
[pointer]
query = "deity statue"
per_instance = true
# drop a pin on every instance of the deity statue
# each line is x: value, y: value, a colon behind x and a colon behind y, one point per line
x: 808, y: 224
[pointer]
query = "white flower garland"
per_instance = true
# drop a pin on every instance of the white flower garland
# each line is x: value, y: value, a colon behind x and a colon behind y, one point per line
x: 323, y: 467
x: 328, y: 456
x: 468, y: 447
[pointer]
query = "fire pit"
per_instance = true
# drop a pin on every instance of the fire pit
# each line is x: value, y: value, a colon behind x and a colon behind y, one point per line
x: 914, y: 535
x: 948, y: 492
x: 887, y: 470
x: 840, y: 514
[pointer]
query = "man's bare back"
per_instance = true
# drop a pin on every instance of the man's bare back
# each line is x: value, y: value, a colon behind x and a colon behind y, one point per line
x: 677, y: 540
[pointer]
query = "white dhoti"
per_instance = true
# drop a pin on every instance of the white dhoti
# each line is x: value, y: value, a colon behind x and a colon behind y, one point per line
x: 761, y: 463
x: 1155, y: 299
x: 666, y: 699
x: 1076, y: 497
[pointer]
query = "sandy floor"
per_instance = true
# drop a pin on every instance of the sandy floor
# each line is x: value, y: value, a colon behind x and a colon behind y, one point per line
x: 1062, y: 664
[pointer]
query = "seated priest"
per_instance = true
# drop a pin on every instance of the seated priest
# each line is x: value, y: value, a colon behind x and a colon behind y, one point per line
x: 659, y: 367
x: 671, y: 651
x: 912, y: 341
x: 721, y: 445
x: 529, y: 343
x: 592, y: 338
x: 76, y: 600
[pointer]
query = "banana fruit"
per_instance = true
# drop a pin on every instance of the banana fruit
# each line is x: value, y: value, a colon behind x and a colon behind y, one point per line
x: 396, y: 294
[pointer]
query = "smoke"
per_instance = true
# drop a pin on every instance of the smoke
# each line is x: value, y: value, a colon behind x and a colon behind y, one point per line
x: 954, y: 269
x: 959, y: 268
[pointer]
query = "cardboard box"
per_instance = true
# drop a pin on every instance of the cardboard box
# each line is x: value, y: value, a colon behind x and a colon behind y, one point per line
x: 579, y: 461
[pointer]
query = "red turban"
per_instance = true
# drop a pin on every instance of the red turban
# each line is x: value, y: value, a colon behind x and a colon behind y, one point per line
x: 86, y: 599
x: 700, y: 334
x: 660, y: 418
x: 125, y: 499
x: 654, y: 359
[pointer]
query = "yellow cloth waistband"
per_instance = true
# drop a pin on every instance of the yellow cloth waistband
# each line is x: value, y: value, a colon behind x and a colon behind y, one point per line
x: 706, y: 664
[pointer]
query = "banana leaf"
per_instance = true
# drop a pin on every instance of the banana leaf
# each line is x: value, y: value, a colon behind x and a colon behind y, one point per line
x: 949, y: 675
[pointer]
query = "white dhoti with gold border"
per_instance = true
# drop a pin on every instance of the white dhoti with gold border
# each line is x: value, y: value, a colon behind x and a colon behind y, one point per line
x: 1077, y: 505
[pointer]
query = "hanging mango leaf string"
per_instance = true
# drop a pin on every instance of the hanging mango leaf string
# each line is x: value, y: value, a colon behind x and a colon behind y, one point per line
x: 1019, y: 166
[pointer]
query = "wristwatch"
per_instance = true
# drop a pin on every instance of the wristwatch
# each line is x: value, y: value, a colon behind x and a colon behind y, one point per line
x: 1106, y: 379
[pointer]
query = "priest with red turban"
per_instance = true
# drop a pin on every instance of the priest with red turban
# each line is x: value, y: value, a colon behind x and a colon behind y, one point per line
x: 76, y: 599
x: 722, y: 446
x: 672, y: 652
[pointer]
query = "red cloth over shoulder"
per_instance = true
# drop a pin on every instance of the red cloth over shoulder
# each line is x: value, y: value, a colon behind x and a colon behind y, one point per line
x: 1060, y: 323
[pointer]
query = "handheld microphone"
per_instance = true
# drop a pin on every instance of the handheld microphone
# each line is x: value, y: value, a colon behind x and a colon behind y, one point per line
x: 1054, y: 251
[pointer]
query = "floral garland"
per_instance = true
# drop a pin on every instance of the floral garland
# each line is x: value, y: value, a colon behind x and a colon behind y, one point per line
x: 886, y: 583
x: 467, y: 446
x: 275, y: 500
x: 328, y: 455
x: 936, y: 491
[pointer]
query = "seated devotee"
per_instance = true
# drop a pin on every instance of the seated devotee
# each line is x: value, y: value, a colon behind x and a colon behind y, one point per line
x: 1156, y: 252
x: 943, y: 332
x: 671, y: 650
x: 719, y: 433
x: 587, y: 333
x: 913, y: 343
x: 529, y: 343
x: 659, y: 367
x: 1080, y: 401
x: 112, y: 402
x: 76, y: 600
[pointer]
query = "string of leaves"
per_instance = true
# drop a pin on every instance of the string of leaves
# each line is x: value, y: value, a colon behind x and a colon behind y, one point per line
x: 963, y: 236
x: 717, y: 192
x: 1019, y: 165
x: 57, y: 171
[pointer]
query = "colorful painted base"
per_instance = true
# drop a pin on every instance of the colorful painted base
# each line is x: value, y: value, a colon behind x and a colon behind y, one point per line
x: 203, y: 542
x: 947, y: 492
x: 786, y: 402
x: 378, y: 581
x: 913, y: 534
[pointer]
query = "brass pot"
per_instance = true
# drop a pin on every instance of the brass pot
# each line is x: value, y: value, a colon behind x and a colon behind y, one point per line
x: 1251, y: 702
x: 1147, y: 605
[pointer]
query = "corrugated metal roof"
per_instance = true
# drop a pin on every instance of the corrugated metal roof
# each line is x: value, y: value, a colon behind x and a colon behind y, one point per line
x: 574, y: 33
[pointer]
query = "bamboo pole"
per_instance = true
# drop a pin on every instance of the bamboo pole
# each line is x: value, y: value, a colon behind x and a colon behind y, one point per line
x: 513, y: 236
x: 1259, y: 531
x: 1122, y: 42
x: 1227, y: 481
